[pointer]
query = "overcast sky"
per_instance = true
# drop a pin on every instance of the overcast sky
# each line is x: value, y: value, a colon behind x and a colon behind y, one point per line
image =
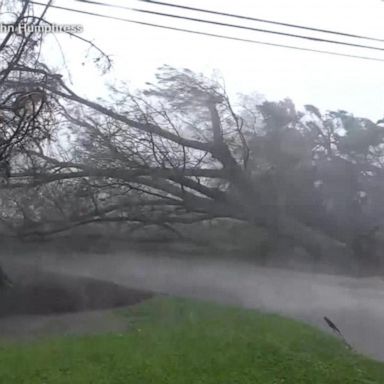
x: 328, y: 82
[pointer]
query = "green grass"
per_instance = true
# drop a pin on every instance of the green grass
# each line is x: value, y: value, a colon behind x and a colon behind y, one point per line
x: 174, y: 341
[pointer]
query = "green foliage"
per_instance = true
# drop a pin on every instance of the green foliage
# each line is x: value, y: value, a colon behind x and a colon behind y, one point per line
x: 182, y: 341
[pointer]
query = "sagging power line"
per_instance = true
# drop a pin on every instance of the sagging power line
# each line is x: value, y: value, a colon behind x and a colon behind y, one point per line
x: 215, y: 35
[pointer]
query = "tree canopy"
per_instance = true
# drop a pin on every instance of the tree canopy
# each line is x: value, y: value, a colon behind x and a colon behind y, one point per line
x: 179, y: 152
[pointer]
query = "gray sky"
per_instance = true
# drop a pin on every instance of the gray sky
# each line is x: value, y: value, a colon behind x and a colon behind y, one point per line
x: 328, y: 82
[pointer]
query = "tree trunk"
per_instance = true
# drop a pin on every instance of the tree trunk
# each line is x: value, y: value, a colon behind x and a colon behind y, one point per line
x: 311, y: 239
x: 5, y: 281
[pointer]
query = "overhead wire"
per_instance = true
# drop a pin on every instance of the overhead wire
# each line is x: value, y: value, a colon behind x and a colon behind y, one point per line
x: 231, y: 25
x: 259, y: 20
x: 216, y: 35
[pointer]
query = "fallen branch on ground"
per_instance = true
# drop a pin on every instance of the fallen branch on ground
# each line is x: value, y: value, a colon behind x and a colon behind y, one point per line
x: 336, y: 330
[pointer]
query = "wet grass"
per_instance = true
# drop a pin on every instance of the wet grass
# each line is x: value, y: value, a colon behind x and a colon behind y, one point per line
x: 184, y: 341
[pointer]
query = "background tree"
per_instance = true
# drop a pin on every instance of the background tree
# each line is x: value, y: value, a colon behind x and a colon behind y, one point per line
x: 28, y: 114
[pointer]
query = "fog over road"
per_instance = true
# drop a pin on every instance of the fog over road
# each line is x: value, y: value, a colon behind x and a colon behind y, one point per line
x: 355, y: 305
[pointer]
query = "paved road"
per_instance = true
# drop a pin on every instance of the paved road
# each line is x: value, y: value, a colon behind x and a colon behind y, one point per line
x: 355, y: 305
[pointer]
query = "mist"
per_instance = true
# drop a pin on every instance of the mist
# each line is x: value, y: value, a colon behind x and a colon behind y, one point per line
x: 355, y: 305
x: 183, y: 187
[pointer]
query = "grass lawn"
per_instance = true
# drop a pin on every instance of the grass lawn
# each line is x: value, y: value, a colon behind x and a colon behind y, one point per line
x: 177, y: 341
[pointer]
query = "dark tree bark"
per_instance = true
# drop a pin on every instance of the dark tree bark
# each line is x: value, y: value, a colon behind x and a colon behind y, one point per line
x: 5, y: 281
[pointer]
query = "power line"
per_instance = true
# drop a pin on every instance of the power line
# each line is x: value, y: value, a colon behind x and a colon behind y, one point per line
x: 213, y: 34
x: 249, y: 18
x: 222, y: 24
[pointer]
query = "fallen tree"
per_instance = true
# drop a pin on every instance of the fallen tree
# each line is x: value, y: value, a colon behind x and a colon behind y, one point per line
x: 179, y: 153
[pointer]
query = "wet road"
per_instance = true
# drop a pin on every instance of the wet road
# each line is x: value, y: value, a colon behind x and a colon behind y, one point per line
x: 355, y: 305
